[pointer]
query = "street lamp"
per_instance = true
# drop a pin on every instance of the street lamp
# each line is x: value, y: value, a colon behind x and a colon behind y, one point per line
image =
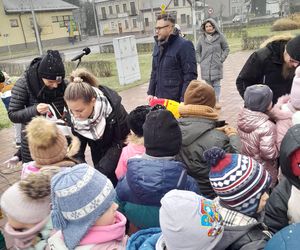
x: 96, y: 24
x: 37, y: 35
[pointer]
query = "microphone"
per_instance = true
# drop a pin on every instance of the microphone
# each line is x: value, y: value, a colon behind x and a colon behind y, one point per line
x: 86, y: 51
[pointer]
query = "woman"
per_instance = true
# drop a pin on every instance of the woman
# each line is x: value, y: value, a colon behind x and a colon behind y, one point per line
x: 211, y: 51
x: 98, y: 118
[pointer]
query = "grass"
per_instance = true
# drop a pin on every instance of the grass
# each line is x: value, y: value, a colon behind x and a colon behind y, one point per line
x: 4, y: 121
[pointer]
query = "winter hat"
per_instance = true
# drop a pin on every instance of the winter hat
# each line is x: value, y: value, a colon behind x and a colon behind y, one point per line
x: 296, y: 118
x: 79, y: 196
x: 162, y: 134
x: 295, y: 162
x: 200, y: 93
x: 295, y: 90
x: 237, y: 179
x: 258, y: 97
x: 28, y: 201
x: 292, y: 48
x: 136, y: 119
x: 51, y: 66
x: 47, y: 144
x: 2, y: 77
x: 186, y: 215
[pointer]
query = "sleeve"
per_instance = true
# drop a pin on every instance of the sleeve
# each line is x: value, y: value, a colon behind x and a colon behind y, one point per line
x: 152, y: 82
x: 122, y: 165
x: 225, y: 49
x: 234, y: 146
x: 267, y: 146
x: 80, y: 156
x: 19, y: 111
x: 251, y: 73
x: 277, y: 207
x: 188, y: 65
x: 198, y: 50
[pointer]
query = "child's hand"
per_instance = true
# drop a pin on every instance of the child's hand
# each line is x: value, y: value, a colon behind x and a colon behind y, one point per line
x: 12, y: 162
x: 229, y: 131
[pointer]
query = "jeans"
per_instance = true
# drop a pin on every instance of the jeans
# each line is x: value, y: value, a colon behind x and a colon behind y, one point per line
x: 216, y: 84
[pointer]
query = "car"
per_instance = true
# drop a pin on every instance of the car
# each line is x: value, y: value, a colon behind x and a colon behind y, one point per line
x: 239, y: 19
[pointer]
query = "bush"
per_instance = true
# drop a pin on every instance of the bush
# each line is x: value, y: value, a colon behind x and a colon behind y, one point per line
x: 285, y: 24
x: 98, y: 68
x: 253, y: 42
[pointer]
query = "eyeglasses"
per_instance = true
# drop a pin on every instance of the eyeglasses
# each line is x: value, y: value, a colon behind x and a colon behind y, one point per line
x: 159, y: 28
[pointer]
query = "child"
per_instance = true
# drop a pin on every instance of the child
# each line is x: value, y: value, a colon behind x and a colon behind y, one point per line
x: 285, y: 108
x: 84, y: 211
x: 241, y: 184
x: 48, y: 146
x: 135, y: 121
x: 153, y: 174
x: 188, y: 221
x: 283, y: 206
x: 26, y: 205
x: 257, y: 132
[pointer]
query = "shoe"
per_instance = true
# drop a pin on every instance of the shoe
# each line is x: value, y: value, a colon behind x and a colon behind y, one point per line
x: 18, y: 144
x: 218, y: 106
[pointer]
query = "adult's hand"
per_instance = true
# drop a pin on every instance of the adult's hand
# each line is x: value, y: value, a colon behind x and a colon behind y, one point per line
x: 42, y: 108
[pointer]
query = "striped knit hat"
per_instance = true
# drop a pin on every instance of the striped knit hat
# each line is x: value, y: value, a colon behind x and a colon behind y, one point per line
x: 238, y: 180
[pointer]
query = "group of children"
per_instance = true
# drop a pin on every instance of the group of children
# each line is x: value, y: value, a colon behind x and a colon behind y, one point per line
x: 189, y: 183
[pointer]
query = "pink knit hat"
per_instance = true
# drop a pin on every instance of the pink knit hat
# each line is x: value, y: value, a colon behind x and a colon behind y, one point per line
x: 295, y: 91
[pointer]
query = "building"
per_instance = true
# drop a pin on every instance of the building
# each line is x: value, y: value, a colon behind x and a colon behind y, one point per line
x: 54, y: 19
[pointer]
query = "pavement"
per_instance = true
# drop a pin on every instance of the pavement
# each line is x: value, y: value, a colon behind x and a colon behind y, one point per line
x: 231, y: 103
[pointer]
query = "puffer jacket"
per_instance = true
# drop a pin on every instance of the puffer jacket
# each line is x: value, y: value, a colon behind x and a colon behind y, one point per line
x: 26, y: 94
x: 282, y: 117
x: 282, y: 207
x: 198, y: 135
x: 144, y: 239
x: 212, y: 54
x: 258, y: 136
x: 147, y: 180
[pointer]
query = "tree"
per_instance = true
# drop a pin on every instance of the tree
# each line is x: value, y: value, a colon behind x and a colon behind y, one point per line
x: 90, y: 20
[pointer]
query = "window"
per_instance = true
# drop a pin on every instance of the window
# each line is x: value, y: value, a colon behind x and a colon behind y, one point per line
x: 66, y: 18
x: 54, y: 19
x: 103, y: 11
x: 183, y: 2
x: 175, y: 2
x: 147, y: 22
x: 110, y: 10
x: 183, y: 18
x: 132, y: 8
x: 233, y: 10
x: 124, y: 7
x: 126, y: 24
x: 134, y: 23
x: 117, y: 9
x: 13, y: 23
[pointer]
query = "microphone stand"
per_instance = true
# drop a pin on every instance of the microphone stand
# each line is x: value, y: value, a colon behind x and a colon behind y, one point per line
x: 79, y: 61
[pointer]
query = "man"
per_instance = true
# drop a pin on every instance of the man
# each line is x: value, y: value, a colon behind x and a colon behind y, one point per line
x: 41, y: 85
x: 273, y: 65
x: 174, y: 62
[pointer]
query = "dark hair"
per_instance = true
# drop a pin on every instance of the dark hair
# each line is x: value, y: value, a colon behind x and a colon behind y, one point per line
x: 166, y: 17
x: 205, y: 22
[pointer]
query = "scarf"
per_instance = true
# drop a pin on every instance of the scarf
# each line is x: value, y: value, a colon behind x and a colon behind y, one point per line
x: 93, y: 127
x: 191, y: 110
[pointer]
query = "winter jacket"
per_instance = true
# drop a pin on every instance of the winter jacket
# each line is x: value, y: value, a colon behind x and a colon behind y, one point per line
x: 106, y: 151
x: 282, y: 207
x: 27, y: 93
x: 147, y: 180
x: 258, y: 136
x: 283, y: 117
x: 265, y: 67
x: 173, y: 68
x: 144, y: 239
x: 212, y: 54
x: 198, y: 135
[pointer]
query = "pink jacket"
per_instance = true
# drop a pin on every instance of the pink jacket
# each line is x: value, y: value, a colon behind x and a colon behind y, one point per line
x: 127, y: 152
x: 258, y: 137
x: 282, y: 117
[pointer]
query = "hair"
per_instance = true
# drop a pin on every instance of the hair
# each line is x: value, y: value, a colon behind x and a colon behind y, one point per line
x: 166, y: 17
x: 81, y: 86
x: 205, y: 22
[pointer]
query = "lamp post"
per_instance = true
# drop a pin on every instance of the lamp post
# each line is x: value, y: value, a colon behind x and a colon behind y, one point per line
x: 96, y: 24
x: 37, y: 35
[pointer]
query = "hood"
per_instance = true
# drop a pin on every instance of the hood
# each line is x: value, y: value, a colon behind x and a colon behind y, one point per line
x: 276, y: 39
x: 290, y: 142
x: 217, y: 29
x: 144, y: 239
x: 277, y: 113
x: 249, y: 120
x: 193, y: 128
x: 150, y: 180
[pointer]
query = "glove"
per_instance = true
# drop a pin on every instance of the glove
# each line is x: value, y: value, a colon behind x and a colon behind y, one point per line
x: 229, y: 131
x: 12, y: 162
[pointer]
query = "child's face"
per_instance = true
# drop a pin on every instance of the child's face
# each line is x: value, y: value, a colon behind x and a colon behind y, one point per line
x: 18, y: 226
x: 262, y: 202
x: 108, y: 218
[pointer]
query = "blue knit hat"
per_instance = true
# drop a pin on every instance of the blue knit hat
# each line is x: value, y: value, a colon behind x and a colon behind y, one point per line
x: 238, y: 180
x: 79, y: 195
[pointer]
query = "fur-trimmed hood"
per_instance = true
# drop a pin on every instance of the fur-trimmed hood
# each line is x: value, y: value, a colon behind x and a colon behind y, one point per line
x: 284, y: 37
x: 133, y: 138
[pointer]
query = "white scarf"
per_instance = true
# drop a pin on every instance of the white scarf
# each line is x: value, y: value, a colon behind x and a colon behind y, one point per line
x: 93, y: 128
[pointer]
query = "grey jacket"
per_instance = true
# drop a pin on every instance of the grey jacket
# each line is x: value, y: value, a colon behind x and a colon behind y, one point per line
x: 211, y: 54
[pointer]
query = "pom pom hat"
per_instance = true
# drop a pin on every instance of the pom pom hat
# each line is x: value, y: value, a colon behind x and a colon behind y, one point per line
x: 238, y: 180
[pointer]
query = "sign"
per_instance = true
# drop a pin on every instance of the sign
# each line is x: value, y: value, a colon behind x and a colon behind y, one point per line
x: 210, y: 10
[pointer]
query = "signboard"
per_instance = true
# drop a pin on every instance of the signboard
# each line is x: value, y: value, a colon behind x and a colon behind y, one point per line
x: 210, y: 10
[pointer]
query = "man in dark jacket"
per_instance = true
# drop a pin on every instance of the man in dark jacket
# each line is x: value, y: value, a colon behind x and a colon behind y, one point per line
x: 174, y: 62
x: 274, y: 65
x: 41, y: 85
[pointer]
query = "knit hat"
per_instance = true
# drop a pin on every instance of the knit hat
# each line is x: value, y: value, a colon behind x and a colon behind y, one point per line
x: 258, y: 97
x: 292, y: 48
x: 51, y: 66
x: 47, y: 144
x: 28, y: 201
x: 162, y: 134
x: 186, y: 215
x: 237, y: 179
x: 2, y: 77
x: 79, y: 196
x: 136, y: 119
x: 200, y: 93
x: 295, y: 90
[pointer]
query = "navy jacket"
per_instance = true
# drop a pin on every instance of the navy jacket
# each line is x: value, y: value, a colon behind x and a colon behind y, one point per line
x: 173, y: 68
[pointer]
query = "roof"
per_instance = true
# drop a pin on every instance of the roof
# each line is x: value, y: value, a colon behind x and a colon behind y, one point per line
x: 15, y: 6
